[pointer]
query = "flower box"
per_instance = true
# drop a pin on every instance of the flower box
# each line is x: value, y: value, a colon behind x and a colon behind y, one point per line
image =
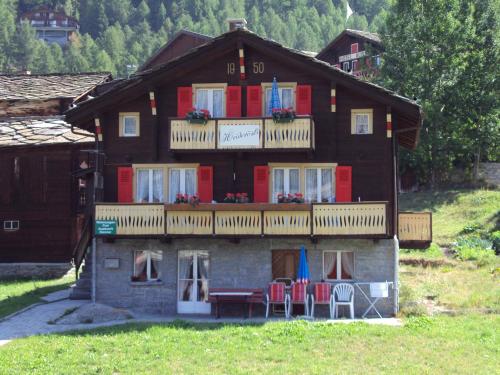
x: 283, y: 115
x: 291, y: 198
x: 198, y: 116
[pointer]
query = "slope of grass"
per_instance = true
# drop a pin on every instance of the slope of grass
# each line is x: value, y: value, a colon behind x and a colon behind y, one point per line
x: 17, y: 294
x: 465, y: 345
x: 455, y: 210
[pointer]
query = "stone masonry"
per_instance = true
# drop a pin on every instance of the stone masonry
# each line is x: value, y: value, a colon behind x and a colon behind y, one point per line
x: 244, y: 264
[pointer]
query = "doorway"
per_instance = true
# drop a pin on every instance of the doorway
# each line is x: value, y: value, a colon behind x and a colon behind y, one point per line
x: 192, y: 284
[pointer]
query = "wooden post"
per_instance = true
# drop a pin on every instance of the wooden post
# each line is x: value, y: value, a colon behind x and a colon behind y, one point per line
x: 241, y: 55
x: 333, y: 97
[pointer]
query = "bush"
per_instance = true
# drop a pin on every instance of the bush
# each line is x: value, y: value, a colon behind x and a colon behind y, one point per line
x: 475, y: 248
x: 495, y: 240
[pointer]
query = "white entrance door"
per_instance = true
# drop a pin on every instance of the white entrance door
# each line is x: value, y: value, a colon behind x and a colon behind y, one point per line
x: 192, y: 285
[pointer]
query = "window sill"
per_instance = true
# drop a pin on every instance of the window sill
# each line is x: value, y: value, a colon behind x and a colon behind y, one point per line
x: 146, y: 283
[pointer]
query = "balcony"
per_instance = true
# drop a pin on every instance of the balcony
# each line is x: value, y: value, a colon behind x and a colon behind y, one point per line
x: 415, y: 229
x: 242, y: 134
x: 363, y: 219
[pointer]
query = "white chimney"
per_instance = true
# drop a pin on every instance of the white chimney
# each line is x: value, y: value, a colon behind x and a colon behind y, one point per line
x: 237, y: 23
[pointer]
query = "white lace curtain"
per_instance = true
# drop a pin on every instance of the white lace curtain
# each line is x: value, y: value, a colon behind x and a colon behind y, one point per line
x: 211, y: 100
x: 319, y: 177
x: 329, y: 264
x: 149, y: 186
x: 285, y: 181
x: 181, y: 181
x: 347, y: 262
x: 285, y: 95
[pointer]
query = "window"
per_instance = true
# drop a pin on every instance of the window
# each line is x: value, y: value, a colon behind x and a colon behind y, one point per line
x: 338, y: 265
x: 285, y: 181
x: 286, y: 95
x: 181, y: 181
x: 129, y: 124
x: 346, y: 67
x: 355, y: 65
x: 211, y: 99
x: 354, y: 48
x: 147, y: 265
x: 149, y: 185
x: 11, y: 225
x: 319, y: 185
x: 362, y: 121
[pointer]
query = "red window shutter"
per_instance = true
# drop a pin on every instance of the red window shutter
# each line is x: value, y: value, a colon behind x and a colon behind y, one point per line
x: 354, y: 48
x: 125, y: 180
x: 233, y: 101
x: 206, y: 184
x: 343, y: 186
x: 355, y: 66
x: 184, y: 100
x: 304, y: 99
x: 261, y: 184
x: 254, y: 101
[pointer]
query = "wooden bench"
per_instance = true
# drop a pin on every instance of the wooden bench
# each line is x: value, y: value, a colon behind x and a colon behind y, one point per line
x: 245, y: 296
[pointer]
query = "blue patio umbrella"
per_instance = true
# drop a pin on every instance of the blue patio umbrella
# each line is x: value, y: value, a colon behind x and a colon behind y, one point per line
x: 274, y: 103
x: 303, y: 275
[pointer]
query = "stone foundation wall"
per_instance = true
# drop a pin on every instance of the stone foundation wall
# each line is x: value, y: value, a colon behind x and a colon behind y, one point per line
x: 490, y: 172
x: 33, y: 270
x: 245, y: 264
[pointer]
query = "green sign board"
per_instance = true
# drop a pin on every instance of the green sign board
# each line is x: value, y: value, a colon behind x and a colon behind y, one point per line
x: 105, y: 227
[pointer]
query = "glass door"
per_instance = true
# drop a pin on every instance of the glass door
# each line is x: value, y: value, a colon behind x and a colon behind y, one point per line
x: 192, y: 294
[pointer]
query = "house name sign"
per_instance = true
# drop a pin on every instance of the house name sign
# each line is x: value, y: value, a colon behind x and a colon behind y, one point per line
x: 351, y: 56
x: 239, y: 136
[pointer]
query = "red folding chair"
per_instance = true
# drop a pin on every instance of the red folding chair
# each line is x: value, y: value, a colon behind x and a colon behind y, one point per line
x: 322, y: 295
x: 298, y: 296
x: 276, y: 295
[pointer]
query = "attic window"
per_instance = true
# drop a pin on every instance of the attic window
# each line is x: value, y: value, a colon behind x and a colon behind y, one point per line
x: 10, y: 225
x: 129, y: 124
x: 362, y: 121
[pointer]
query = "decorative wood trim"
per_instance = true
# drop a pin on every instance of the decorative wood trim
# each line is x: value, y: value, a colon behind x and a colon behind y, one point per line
x: 98, y: 129
x: 333, y: 99
x: 389, y: 122
x: 241, y: 55
x: 152, y: 102
x: 121, y: 123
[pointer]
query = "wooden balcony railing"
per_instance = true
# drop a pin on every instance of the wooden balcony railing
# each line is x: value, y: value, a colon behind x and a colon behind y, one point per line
x: 364, y: 219
x: 414, y: 228
x: 242, y: 134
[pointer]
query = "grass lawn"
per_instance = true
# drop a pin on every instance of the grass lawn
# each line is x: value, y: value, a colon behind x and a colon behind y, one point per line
x: 17, y: 294
x: 453, y: 210
x: 465, y: 345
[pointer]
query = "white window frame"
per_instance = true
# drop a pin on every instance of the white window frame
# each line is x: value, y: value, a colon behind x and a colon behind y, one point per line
x: 122, y: 130
x: 182, y: 180
x: 11, y: 225
x: 151, y: 183
x: 148, y: 263
x: 211, y: 87
x: 346, y: 66
x: 319, y: 180
x: 339, y: 265
x: 286, y: 181
x: 357, y: 112
x: 265, y: 86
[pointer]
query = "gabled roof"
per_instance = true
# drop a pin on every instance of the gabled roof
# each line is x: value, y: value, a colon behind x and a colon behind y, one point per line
x: 49, y: 86
x: 366, y: 35
x: 195, y: 38
x: 39, y: 131
x: 139, y: 83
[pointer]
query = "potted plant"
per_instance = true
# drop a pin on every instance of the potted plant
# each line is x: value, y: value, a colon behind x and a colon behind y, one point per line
x: 290, y: 198
x: 198, y: 116
x: 181, y: 198
x: 283, y: 115
x: 242, y: 197
x: 230, y: 198
x: 194, y: 200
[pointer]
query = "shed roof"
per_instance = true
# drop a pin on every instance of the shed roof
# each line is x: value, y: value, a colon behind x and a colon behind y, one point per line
x: 39, y: 131
x: 48, y: 86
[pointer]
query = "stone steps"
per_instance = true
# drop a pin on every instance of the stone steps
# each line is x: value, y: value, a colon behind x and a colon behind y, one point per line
x: 81, y: 290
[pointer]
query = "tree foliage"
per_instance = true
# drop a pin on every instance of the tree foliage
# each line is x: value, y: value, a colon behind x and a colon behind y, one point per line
x: 444, y: 53
x: 126, y: 32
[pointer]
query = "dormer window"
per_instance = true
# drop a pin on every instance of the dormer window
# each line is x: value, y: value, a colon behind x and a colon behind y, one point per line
x: 211, y: 98
x: 129, y: 124
x: 362, y: 121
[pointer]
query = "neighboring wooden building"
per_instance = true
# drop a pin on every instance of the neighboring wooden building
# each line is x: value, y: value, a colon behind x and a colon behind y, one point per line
x: 39, y: 198
x: 340, y: 153
x: 354, y: 51
x: 181, y: 43
x: 52, y: 26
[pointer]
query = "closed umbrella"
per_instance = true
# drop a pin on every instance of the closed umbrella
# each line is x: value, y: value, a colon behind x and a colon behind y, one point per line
x: 303, y: 275
x: 274, y: 103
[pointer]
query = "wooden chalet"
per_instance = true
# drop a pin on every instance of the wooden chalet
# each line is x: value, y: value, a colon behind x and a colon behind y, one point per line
x: 325, y: 179
x: 354, y: 51
x: 40, y: 201
x: 51, y: 26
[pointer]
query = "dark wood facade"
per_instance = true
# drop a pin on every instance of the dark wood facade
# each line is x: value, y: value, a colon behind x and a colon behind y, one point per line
x: 371, y: 156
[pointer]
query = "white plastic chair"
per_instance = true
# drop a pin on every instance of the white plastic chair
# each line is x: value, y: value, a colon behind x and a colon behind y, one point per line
x: 343, y: 295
